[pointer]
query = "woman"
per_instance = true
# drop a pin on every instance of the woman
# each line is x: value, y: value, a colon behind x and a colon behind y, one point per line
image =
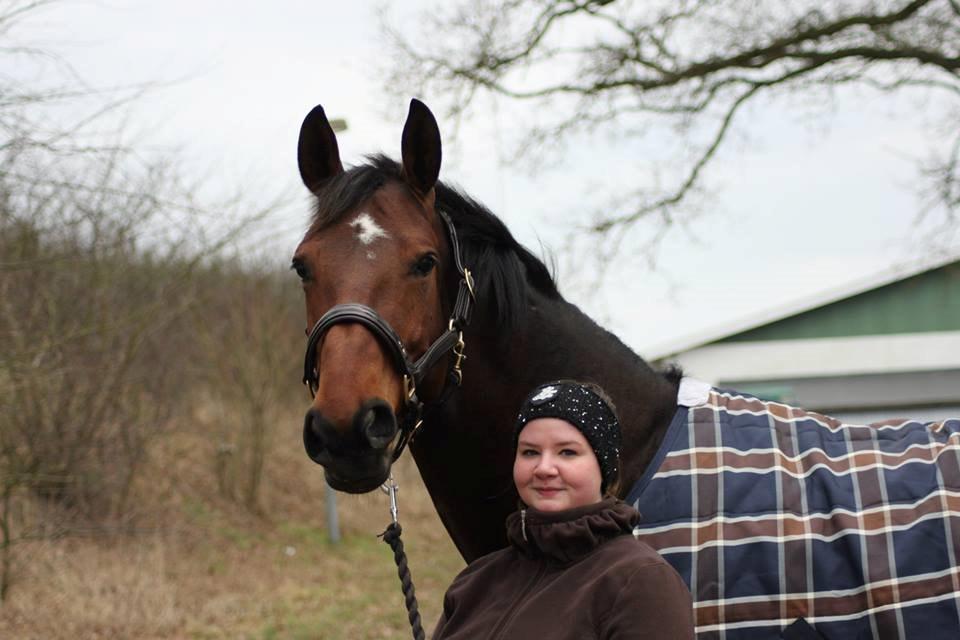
x: 573, y: 569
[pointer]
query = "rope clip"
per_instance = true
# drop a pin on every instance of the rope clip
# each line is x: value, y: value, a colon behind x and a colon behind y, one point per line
x: 390, y: 487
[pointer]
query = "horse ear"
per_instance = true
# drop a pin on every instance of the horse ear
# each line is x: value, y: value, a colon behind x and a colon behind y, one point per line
x: 317, y: 153
x: 420, y: 147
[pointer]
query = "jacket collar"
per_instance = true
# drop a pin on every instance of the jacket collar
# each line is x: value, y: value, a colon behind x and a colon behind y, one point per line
x: 564, y: 537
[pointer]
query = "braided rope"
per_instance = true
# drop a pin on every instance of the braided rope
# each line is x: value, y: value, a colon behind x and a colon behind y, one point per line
x: 391, y: 536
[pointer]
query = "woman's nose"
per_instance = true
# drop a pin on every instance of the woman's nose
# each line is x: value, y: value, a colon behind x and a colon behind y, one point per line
x: 545, y: 467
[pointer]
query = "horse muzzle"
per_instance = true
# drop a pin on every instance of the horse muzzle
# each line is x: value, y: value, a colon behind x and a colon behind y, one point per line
x: 356, y: 459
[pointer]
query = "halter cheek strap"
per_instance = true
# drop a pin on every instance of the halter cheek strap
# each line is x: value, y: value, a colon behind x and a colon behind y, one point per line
x: 413, y: 373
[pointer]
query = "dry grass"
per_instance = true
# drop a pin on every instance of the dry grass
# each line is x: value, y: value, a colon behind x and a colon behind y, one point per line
x: 207, y: 568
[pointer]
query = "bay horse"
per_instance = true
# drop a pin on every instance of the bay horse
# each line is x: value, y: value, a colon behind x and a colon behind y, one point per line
x: 428, y: 323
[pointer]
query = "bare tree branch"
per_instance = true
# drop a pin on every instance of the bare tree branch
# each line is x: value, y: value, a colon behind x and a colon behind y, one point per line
x: 682, y: 64
x: 663, y: 204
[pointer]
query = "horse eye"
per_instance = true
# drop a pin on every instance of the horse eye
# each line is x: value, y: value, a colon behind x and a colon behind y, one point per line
x: 424, y: 264
x: 301, y: 270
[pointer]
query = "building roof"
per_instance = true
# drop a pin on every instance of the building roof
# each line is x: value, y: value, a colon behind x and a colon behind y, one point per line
x: 803, y: 304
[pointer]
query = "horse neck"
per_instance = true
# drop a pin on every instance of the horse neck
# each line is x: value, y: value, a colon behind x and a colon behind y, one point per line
x: 560, y: 341
x: 465, y: 453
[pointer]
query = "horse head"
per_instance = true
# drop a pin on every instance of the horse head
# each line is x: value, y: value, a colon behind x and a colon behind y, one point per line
x: 376, y: 266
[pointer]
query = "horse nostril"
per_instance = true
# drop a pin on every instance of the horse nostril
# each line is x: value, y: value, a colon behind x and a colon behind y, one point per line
x: 375, y: 420
x: 314, y: 442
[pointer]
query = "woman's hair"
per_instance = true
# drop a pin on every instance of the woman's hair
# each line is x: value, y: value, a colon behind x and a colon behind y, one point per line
x: 613, y: 484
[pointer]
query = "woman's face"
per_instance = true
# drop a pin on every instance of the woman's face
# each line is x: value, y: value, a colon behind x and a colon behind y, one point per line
x: 555, y: 467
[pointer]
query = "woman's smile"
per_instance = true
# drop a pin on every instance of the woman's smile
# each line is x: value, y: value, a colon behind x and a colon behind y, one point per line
x: 548, y: 491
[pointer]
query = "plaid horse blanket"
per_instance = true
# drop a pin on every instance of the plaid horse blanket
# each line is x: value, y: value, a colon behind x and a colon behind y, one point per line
x: 773, y: 514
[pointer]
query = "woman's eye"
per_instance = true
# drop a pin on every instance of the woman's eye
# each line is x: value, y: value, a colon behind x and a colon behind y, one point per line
x: 425, y: 264
x: 568, y: 452
x: 526, y: 453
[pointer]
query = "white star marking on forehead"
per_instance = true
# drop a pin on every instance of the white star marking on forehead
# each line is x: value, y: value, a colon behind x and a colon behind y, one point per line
x: 367, y: 229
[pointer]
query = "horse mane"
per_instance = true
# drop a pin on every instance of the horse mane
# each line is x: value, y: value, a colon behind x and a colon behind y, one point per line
x: 504, y: 270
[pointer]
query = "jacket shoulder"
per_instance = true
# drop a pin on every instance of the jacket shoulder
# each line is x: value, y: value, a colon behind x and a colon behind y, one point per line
x: 631, y: 551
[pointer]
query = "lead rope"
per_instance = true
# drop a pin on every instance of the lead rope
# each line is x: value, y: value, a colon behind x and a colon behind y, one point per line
x: 391, y: 535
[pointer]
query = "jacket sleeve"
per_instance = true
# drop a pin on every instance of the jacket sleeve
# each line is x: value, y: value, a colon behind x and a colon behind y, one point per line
x: 449, y: 605
x: 438, y: 629
x: 654, y: 604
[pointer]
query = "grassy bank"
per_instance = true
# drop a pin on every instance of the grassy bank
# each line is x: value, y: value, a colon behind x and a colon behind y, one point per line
x: 202, y: 566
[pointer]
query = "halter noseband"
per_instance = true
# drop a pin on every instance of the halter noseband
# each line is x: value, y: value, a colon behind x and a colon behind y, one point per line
x: 412, y: 372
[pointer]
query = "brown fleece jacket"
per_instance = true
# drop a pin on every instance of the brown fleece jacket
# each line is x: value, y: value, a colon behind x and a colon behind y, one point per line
x: 575, y: 574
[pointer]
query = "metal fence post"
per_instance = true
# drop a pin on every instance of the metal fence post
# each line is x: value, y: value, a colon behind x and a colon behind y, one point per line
x: 333, y: 522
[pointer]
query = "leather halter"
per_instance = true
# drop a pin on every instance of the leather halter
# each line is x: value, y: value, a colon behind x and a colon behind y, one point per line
x: 412, y: 372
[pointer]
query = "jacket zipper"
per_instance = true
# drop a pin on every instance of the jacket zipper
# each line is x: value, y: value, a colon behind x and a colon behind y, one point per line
x: 511, y: 612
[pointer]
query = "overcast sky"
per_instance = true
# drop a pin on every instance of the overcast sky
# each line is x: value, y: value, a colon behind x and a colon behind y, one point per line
x: 800, y: 203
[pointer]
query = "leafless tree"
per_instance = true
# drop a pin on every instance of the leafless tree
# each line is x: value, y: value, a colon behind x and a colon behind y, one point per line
x: 100, y: 248
x: 246, y: 330
x: 689, y: 67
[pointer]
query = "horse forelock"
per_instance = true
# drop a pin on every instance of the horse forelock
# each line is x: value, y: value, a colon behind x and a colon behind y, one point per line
x: 345, y: 192
x: 504, y: 270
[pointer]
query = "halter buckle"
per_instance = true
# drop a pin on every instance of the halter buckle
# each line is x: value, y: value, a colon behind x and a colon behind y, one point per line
x: 459, y: 357
x: 409, y: 388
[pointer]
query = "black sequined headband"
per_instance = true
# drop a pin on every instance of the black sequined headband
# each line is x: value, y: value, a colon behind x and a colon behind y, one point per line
x: 585, y: 410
